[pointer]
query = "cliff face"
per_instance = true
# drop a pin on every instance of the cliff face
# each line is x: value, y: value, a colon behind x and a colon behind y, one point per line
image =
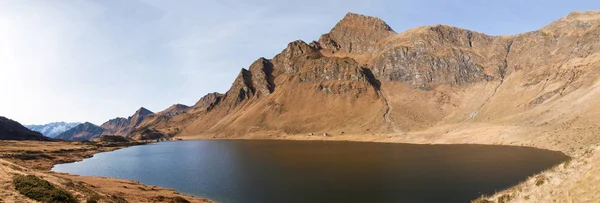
x: 364, y: 78
x: 12, y: 130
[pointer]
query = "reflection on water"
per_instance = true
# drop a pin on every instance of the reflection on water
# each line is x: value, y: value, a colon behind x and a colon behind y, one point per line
x: 317, y: 171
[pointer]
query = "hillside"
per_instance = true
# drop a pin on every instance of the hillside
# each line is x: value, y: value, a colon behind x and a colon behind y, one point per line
x: 52, y: 129
x: 12, y: 130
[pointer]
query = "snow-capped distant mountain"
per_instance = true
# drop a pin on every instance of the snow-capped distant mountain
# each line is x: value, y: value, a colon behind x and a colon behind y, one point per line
x: 52, y: 129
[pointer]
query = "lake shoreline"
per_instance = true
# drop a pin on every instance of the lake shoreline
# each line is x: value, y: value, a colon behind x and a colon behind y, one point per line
x: 118, y: 185
x: 115, y: 165
x: 37, y: 158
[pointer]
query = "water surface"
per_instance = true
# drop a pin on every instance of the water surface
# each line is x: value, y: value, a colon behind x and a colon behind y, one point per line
x: 320, y: 171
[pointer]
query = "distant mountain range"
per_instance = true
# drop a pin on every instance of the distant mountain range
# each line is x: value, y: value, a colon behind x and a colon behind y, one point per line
x: 12, y: 130
x: 52, y: 129
x: 117, y: 126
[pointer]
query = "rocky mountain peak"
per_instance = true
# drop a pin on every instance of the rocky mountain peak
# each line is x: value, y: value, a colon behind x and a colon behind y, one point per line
x: 138, y: 116
x: 143, y: 112
x: 362, y: 22
x: 356, y: 33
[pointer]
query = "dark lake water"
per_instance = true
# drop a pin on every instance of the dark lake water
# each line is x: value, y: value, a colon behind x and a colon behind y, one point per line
x: 319, y: 171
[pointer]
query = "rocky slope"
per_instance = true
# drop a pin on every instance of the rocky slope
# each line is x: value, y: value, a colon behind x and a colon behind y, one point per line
x: 12, y: 130
x: 84, y: 131
x: 52, y: 129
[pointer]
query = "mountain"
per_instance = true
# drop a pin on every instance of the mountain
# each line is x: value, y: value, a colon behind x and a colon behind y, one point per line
x: 364, y: 78
x: 12, y: 130
x: 83, y: 131
x: 170, y: 120
x: 122, y: 126
x: 52, y: 129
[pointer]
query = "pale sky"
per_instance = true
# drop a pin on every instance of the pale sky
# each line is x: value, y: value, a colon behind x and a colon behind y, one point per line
x: 81, y: 60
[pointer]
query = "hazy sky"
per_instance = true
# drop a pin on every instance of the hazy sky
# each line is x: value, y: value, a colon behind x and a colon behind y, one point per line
x: 91, y: 61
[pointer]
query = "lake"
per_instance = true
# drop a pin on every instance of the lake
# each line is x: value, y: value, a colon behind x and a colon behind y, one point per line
x: 320, y: 171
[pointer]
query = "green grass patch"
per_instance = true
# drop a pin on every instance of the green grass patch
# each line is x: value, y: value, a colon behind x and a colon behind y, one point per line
x: 38, y: 189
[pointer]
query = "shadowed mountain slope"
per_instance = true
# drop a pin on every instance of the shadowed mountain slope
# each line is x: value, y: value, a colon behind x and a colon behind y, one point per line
x: 12, y: 130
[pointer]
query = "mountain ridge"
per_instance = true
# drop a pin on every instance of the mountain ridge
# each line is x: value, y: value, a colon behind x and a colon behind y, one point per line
x: 116, y: 126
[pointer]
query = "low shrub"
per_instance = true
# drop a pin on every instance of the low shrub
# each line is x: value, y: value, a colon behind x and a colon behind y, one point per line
x: 117, y: 199
x: 38, y: 189
x: 540, y: 180
x: 179, y: 199
x: 93, y: 199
